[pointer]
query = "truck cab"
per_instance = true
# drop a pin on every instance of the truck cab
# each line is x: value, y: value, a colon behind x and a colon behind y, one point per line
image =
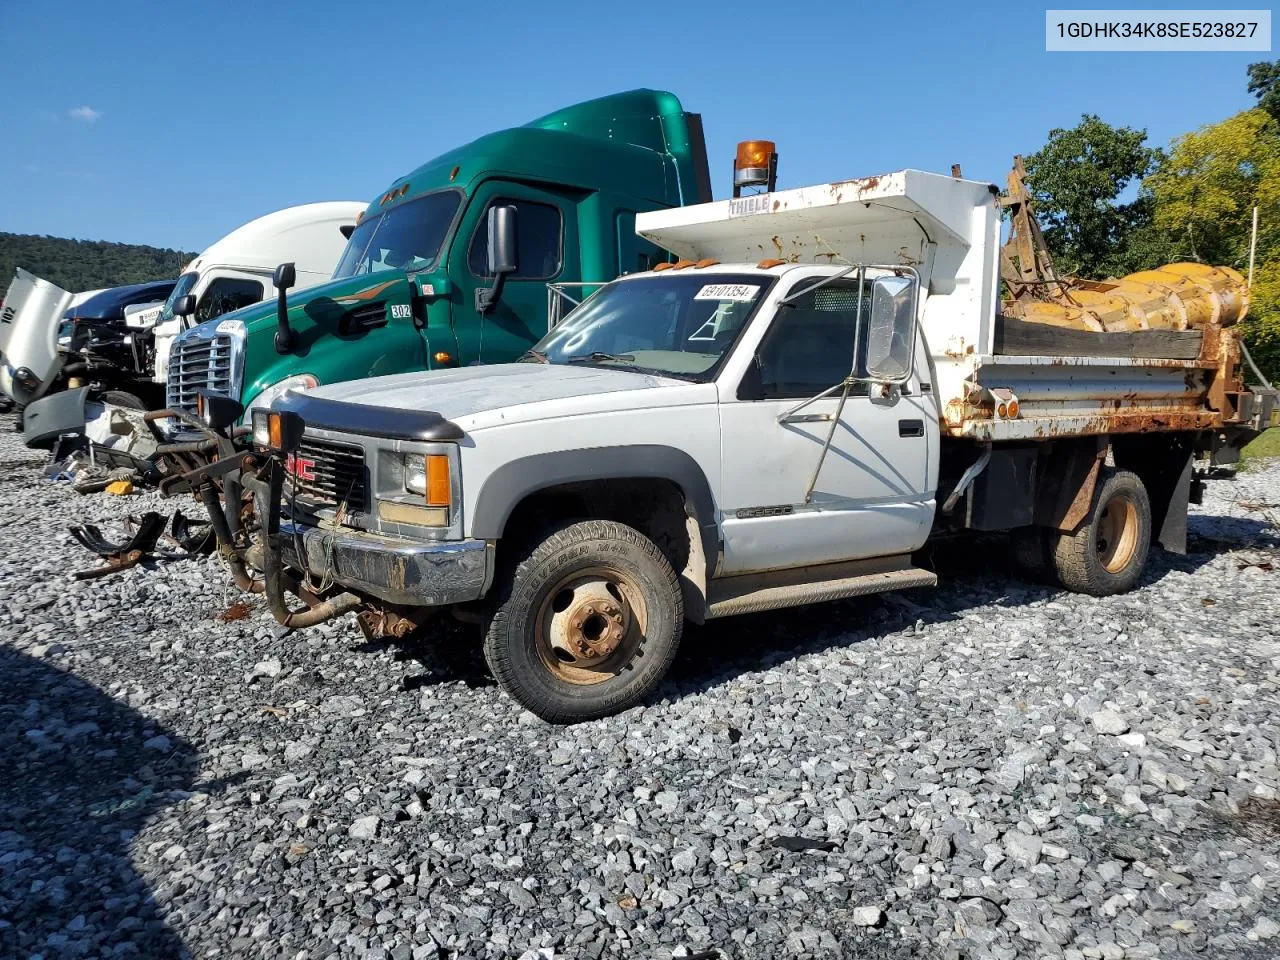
x: 416, y: 288
x: 237, y: 271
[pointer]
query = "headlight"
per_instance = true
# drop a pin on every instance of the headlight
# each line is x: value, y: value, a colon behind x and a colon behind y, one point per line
x: 277, y: 431
x: 261, y: 436
x: 264, y: 400
x: 429, y: 476
x: 415, y: 473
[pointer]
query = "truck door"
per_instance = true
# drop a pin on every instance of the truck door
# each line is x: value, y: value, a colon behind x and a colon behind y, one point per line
x: 547, y: 251
x: 874, y: 493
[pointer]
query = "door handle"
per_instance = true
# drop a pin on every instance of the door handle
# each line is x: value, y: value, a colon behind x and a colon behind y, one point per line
x: 911, y: 428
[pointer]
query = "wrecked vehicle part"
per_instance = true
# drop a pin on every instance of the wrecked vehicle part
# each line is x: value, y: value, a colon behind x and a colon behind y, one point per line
x: 190, y: 537
x: 119, y: 556
x: 267, y: 492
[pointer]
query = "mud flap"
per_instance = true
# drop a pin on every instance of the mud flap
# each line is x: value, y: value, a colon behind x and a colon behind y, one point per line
x: 1173, y: 527
x: 1165, y: 465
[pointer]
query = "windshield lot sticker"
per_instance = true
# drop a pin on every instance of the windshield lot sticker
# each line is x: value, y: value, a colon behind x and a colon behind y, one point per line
x: 737, y: 292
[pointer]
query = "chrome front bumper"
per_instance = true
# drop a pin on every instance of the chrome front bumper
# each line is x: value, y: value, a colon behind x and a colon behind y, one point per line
x: 407, y: 572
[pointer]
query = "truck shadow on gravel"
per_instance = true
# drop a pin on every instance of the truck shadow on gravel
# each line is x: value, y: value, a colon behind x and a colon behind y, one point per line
x: 80, y: 774
x: 721, y: 650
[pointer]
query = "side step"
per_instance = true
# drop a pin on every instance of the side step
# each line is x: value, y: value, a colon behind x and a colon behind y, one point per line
x: 754, y: 592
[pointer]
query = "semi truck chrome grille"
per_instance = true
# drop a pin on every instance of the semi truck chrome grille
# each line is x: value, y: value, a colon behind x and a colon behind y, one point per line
x: 328, y: 473
x: 198, y: 363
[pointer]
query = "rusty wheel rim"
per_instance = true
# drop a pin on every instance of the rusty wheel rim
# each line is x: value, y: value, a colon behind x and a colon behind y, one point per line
x: 590, y: 625
x: 1117, y: 533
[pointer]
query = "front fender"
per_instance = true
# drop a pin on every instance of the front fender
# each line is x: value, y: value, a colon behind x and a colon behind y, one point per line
x: 503, y: 489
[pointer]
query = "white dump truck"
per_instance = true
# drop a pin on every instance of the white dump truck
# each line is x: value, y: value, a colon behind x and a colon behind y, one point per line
x: 824, y: 379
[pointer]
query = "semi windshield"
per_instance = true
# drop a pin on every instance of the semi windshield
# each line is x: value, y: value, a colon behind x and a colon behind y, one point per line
x: 406, y: 237
x: 679, y: 325
x: 180, y: 290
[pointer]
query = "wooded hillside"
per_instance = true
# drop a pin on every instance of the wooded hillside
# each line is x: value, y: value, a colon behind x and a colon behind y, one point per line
x: 77, y: 265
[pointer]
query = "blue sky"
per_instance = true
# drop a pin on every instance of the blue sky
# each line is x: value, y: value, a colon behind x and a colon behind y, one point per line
x: 173, y: 123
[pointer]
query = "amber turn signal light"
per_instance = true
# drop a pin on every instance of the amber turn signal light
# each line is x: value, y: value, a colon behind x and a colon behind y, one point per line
x: 437, y: 480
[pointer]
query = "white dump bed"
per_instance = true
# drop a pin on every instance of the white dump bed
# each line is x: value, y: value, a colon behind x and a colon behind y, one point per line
x: 948, y: 230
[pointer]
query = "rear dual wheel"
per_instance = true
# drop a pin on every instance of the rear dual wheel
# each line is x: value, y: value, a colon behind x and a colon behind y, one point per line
x: 587, y: 624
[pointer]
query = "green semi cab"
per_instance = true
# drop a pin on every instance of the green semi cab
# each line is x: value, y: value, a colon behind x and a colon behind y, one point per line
x: 418, y: 286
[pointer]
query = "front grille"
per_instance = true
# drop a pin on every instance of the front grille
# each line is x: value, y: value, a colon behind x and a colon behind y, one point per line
x: 198, y: 363
x: 329, y: 473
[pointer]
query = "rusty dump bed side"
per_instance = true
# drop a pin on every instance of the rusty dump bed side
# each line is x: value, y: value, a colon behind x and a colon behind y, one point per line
x: 1025, y: 396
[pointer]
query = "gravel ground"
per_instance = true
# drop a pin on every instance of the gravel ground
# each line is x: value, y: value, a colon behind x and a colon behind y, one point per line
x: 990, y: 769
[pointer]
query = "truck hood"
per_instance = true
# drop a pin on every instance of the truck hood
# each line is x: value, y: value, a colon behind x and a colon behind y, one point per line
x: 320, y: 306
x: 479, y: 397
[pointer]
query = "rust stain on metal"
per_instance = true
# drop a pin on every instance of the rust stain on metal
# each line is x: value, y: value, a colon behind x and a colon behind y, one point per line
x: 1084, y: 495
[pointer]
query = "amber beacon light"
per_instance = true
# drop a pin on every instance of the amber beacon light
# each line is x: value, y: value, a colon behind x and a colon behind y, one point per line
x: 755, y: 165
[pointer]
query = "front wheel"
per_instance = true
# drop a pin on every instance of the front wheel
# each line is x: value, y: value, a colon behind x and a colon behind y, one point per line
x: 1108, y: 552
x: 588, y: 623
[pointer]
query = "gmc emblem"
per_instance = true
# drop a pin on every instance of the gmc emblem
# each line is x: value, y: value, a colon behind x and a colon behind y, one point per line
x: 300, y: 467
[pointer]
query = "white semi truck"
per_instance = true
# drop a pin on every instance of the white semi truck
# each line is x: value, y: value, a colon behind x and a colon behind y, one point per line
x: 238, y: 269
x: 825, y: 378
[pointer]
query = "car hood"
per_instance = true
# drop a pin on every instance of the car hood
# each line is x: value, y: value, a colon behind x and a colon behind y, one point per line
x: 477, y: 397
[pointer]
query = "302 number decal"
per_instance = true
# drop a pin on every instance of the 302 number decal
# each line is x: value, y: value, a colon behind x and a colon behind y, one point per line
x: 401, y: 311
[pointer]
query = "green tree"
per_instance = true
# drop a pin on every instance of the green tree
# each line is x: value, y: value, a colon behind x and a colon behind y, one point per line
x: 1203, y: 198
x: 1077, y: 179
x: 1264, y: 83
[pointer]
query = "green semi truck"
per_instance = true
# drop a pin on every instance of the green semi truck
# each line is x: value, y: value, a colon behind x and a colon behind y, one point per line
x: 451, y: 265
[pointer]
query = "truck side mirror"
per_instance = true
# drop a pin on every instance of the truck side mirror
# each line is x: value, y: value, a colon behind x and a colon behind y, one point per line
x: 185, y: 306
x: 502, y: 240
x: 502, y: 255
x: 891, y: 329
x: 286, y: 276
x: 347, y: 229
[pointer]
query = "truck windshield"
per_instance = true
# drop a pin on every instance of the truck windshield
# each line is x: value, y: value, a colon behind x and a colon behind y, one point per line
x: 406, y: 237
x: 679, y: 325
x: 180, y: 290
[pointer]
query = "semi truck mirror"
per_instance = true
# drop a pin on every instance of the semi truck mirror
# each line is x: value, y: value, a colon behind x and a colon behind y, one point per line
x: 284, y: 278
x: 185, y: 306
x: 891, y: 329
x: 502, y: 240
x: 502, y: 255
